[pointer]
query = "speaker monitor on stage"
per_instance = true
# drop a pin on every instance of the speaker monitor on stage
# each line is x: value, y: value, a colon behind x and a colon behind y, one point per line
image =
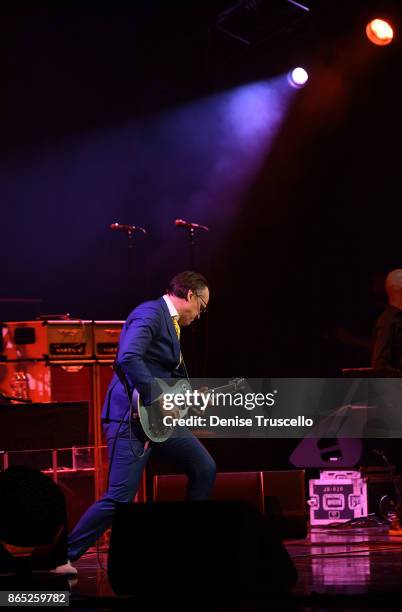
x: 196, y: 550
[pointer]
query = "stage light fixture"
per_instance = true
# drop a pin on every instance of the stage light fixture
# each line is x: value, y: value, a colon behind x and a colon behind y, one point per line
x: 379, y: 32
x: 298, y: 77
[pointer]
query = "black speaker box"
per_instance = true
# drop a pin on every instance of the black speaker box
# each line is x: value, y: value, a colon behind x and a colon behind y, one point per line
x: 204, y: 550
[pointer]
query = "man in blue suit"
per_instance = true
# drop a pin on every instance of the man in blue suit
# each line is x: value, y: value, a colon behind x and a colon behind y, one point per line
x: 149, y: 347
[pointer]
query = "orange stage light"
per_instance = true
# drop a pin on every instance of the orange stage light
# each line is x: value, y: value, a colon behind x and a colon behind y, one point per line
x: 379, y: 32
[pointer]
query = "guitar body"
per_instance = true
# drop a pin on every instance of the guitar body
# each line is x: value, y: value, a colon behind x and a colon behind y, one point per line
x: 151, y: 417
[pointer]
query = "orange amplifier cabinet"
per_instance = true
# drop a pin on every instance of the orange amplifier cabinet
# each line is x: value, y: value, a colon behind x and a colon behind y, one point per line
x: 106, y: 338
x: 70, y: 339
x: 26, y: 380
x: 41, y: 381
x: 58, y: 381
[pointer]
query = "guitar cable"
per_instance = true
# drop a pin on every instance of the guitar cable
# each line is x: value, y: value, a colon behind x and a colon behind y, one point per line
x: 124, y: 381
x: 100, y: 564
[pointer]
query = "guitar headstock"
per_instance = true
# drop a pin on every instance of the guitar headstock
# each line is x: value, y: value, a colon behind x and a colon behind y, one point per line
x: 238, y: 383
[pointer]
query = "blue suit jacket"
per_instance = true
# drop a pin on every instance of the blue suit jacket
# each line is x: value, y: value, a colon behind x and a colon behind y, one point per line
x: 148, y: 348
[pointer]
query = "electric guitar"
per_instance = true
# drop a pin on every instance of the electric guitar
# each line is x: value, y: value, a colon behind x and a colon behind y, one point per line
x: 151, y: 417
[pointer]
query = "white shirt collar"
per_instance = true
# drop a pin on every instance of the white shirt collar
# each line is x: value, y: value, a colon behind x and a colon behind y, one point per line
x: 169, y: 303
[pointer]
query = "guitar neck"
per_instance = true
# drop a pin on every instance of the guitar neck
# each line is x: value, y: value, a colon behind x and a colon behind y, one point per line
x: 223, y: 388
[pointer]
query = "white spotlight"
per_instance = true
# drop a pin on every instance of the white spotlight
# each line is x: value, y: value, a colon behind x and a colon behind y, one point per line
x: 298, y: 77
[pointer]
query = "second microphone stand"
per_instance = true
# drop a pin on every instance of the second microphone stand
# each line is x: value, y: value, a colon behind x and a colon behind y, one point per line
x: 129, y: 231
x: 199, y: 358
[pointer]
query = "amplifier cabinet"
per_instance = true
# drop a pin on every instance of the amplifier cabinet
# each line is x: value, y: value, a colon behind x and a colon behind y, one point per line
x: 40, y: 381
x: 70, y: 339
x: 285, y: 502
x: 79, y: 492
x: 106, y: 336
x: 59, y: 381
x: 71, y: 381
x: 105, y: 370
x: 285, y: 492
x: 26, y: 380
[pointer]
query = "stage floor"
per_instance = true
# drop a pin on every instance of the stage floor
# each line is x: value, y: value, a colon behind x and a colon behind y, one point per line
x: 339, y: 568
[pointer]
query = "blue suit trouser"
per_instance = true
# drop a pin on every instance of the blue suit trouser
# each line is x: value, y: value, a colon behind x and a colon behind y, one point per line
x: 128, y: 460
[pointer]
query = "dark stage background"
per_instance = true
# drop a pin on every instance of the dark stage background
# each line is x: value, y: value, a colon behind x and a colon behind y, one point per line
x: 148, y: 113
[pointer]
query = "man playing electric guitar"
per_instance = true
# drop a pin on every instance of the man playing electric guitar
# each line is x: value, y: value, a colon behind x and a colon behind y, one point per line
x: 149, y: 349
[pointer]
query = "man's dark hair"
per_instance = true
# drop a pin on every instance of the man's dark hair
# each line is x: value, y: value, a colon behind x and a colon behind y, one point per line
x: 187, y: 281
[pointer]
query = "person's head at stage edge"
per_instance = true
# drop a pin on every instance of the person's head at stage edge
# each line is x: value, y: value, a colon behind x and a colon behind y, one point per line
x: 393, y: 286
x: 189, y: 294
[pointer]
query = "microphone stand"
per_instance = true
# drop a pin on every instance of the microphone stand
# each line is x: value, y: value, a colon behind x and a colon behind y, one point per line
x: 129, y: 231
x: 130, y: 255
x: 191, y: 235
x: 191, y: 227
x: 199, y: 356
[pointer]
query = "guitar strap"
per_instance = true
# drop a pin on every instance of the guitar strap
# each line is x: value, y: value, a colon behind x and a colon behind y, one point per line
x: 185, y: 369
